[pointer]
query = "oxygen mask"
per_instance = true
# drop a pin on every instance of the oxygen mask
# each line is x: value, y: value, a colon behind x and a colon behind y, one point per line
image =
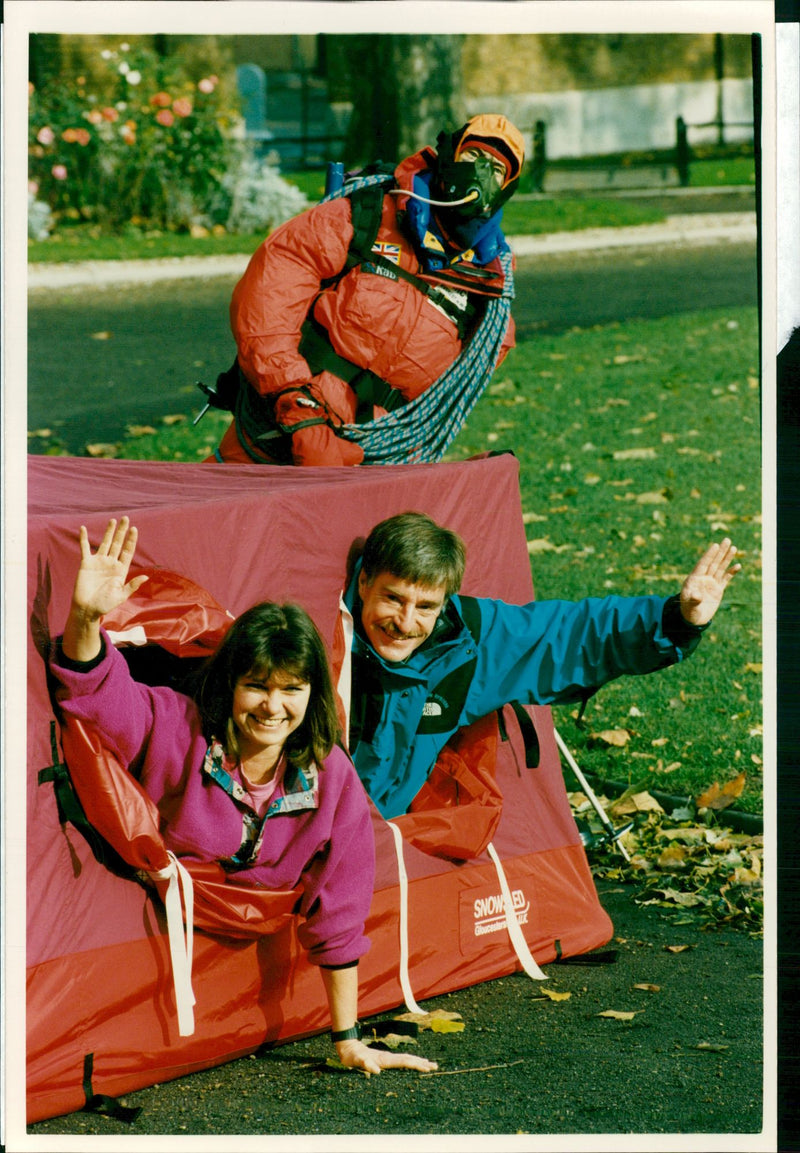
x: 468, y: 189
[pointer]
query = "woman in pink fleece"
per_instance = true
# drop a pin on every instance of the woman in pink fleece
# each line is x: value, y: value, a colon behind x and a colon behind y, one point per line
x: 248, y: 773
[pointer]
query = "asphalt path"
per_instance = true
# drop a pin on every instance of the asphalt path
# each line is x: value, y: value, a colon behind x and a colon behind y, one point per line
x: 685, y: 1059
x: 103, y: 358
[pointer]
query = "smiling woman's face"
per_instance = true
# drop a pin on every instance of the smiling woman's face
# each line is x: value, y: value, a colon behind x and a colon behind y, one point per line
x: 266, y: 711
x: 397, y: 616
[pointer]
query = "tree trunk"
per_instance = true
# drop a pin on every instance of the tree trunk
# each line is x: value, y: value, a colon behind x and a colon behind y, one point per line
x: 404, y: 90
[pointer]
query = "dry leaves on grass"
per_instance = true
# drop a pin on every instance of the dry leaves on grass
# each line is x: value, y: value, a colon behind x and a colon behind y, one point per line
x: 697, y: 873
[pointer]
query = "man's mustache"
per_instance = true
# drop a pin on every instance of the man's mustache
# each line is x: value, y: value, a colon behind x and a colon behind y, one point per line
x: 397, y: 635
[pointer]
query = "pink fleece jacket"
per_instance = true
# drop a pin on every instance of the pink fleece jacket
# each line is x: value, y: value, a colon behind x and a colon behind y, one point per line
x: 316, y: 833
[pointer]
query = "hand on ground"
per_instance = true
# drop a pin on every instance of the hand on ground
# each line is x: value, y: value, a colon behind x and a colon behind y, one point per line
x: 357, y: 1055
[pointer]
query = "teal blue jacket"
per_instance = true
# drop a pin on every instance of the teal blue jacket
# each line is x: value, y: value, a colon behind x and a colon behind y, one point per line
x: 546, y: 652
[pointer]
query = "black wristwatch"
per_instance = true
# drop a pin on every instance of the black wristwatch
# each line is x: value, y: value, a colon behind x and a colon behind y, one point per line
x: 351, y: 1034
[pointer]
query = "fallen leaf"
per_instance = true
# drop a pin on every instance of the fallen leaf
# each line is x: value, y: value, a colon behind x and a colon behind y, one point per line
x: 719, y: 798
x: 618, y: 737
x: 754, y: 667
x: 635, y: 454
x: 439, y: 1026
x: 426, y: 1020
x: 652, y: 497
x: 540, y: 545
x: 677, y: 948
x: 673, y: 857
x: 102, y: 450
x: 100, y: 335
x: 617, y: 1015
x: 173, y: 418
x: 659, y: 741
x: 531, y: 517
x: 685, y: 900
x: 553, y: 995
x: 394, y: 1040
x: 711, y: 1047
x: 648, y: 988
x: 43, y: 433
x: 692, y: 836
x: 140, y: 430
x: 638, y: 803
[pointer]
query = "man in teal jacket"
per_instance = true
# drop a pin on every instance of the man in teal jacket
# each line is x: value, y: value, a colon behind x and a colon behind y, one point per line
x: 417, y: 662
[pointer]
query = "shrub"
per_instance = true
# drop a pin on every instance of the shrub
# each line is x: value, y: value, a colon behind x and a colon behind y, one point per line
x: 40, y: 218
x: 253, y: 197
x: 147, y: 145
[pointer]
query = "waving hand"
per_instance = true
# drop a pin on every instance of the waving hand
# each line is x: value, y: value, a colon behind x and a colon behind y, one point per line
x: 705, y: 585
x: 101, y: 585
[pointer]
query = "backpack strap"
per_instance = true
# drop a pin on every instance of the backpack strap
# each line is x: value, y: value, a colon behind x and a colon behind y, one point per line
x: 471, y: 616
x: 70, y: 810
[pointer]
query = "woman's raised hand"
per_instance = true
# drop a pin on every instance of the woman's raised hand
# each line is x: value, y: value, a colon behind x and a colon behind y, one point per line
x: 102, y: 582
x: 101, y: 585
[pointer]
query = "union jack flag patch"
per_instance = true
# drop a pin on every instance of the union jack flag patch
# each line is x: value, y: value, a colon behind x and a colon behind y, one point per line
x: 388, y: 251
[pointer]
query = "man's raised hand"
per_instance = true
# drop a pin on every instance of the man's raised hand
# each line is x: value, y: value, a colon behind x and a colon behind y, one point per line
x: 705, y: 585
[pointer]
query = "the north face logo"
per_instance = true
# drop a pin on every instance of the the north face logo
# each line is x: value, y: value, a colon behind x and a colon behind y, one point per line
x: 431, y: 709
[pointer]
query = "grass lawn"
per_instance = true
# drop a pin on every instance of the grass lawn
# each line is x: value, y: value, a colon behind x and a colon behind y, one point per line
x: 638, y: 445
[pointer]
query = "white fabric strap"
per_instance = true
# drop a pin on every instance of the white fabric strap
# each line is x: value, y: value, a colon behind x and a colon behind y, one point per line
x: 405, y: 983
x: 180, y: 944
x: 344, y: 684
x: 524, y: 955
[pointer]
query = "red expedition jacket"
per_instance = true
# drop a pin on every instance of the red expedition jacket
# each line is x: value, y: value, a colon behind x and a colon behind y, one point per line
x: 386, y: 326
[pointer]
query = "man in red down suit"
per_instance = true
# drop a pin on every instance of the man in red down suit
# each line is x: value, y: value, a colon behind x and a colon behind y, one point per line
x: 326, y: 338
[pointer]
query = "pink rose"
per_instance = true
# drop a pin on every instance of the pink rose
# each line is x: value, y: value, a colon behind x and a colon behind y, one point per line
x: 95, y: 116
x: 59, y: 172
x: 206, y: 85
x: 161, y: 100
x: 165, y: 117
x: 45, y: 135
x: 33, y: 187
x: 182, y: 107
x: 109, y: 114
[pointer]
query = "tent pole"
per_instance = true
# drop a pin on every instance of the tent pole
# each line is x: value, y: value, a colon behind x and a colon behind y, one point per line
x: 613, y: 833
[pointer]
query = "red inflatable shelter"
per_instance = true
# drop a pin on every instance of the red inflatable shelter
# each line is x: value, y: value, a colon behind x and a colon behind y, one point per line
x: 102, y: 1007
